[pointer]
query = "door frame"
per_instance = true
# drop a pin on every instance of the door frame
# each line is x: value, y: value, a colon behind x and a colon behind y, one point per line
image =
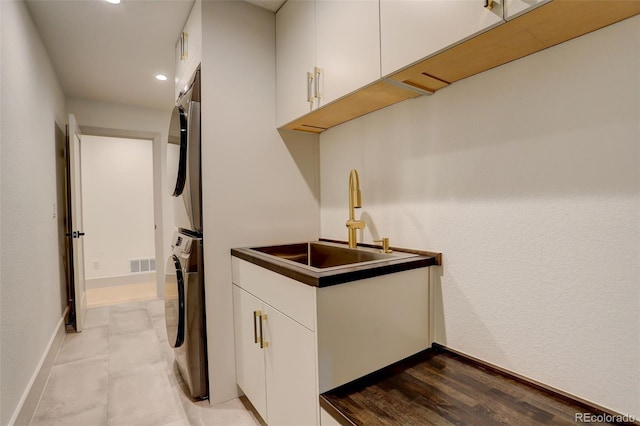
x: 158, y: 189
x: 77, y: 294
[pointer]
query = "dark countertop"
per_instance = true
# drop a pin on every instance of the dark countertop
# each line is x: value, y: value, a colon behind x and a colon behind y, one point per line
x: 438, y: 386
x: 343, y: 274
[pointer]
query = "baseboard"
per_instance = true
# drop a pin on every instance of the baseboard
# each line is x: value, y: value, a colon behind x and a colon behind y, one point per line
x: 29, y: 401
x: 136, y: 278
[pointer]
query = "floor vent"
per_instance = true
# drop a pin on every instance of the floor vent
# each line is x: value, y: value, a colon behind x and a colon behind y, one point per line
x: 142, y: 265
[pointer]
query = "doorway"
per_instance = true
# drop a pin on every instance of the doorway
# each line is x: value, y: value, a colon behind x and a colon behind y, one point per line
x: 118, y: 203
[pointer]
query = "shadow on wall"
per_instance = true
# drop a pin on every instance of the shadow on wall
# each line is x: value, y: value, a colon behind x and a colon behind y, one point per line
x: 297, y: 144
x: 465, y: 312
x: 371, y: 229
x: 436, y: 308
x: 531, y: 128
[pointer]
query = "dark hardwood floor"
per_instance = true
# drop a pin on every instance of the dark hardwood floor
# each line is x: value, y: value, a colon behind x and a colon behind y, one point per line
x: 438, y: 387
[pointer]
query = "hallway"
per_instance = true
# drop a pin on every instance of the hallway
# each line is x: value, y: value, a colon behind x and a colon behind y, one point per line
x: 120, y: 371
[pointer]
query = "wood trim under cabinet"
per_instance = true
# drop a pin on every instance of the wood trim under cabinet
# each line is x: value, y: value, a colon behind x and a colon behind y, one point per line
x: 548, y: 25
x: 371, y: 98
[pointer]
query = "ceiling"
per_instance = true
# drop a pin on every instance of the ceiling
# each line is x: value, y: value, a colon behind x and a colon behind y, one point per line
x: 112, y: 53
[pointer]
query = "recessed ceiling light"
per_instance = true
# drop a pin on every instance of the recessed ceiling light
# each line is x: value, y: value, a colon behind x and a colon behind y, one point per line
x: 113, y: 1
x: 161, y: 77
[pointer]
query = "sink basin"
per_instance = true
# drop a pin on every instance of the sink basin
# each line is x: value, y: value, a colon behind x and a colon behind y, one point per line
x: 326, y: 263
x: 324, y: 255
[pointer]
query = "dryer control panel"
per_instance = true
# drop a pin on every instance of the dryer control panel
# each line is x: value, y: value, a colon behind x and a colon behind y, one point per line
x: 181, y: 243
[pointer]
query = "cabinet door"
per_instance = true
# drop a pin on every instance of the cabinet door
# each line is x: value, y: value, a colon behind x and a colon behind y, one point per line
x: 295, y: 58
x: 181, y: 65
x: 347, y: 46
x: 411, y: 30
x: 514, y: 8
x: 250, y: 369
x: 291, y: 371
x: 191, y: 48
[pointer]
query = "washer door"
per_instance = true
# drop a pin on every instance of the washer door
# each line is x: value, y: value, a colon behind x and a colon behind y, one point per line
x: 177, y: 151
x: 174, y: 302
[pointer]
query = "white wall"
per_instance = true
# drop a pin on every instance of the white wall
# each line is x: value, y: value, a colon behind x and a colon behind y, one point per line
x: 32, y: 103
x: 526, y: 178
x: 117, y: 199
x: 108, y: 119
x: 257, y: 189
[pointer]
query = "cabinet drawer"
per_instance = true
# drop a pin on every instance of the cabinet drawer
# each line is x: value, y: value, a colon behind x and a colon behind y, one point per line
x: 292, y: 298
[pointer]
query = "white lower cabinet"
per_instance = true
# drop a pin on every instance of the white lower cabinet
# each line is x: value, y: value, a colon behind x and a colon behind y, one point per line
x: 326, y: 419
x: 295, y: 341
x: 292, y: 395
x: 275, y: 354
x: 250, y: 366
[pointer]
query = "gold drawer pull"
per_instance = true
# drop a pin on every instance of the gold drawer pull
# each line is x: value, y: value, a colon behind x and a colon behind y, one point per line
x: 309, y: 85
x: 256, y: 314
x: 263, y: 343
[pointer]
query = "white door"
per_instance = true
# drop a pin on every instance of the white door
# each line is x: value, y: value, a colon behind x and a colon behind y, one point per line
x: 250, y: 370
x: 75, y: 187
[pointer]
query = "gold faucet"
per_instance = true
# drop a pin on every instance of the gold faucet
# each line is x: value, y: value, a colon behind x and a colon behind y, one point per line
x: 355, y: 202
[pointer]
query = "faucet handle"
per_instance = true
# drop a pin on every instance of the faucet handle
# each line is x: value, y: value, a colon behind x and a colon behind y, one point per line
x: 385, y: 245
x: 356, y: 224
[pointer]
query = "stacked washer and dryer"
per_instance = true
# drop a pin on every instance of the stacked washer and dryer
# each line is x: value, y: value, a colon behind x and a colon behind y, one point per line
x: 184, y: 273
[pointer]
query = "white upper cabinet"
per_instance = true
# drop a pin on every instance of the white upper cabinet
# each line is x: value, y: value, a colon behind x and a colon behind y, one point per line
x: 189, y: 48
x: 514, y: 8
x: 411, y: 30
x: 347, y: 46
x: 295, y: 60
x: 325, y: 49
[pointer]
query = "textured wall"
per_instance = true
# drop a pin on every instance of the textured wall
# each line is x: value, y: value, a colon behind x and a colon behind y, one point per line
x: 527, y: 178
x: 32, y: 103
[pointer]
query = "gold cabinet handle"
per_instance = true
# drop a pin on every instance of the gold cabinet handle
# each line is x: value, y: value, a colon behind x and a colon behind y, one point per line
x: 256, y: 315
x: 488, y: 4
x: 309, y: 84
x: 317, y: 71
x: 263, y: 343
x: 184, y: 37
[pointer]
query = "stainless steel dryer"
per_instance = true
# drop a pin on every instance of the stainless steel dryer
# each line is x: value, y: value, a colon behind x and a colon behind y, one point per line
x: 183, y: 159
x: 184, y: 311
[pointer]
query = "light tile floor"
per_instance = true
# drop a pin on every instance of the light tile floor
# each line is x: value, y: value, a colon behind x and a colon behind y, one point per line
x: 120, y: 371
